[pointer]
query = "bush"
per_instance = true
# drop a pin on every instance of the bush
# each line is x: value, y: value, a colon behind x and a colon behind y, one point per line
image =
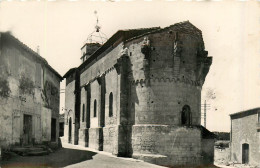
x: 222, y: 144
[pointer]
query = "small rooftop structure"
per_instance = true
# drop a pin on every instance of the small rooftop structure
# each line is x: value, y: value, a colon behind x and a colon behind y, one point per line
x: 94, y: 40
x: 97, y: 36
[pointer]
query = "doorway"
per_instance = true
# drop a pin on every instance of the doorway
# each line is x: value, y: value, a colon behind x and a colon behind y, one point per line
x: 53, y: 129
x: 245, y: 153
x: 27, y: 129
x: 70, y: 130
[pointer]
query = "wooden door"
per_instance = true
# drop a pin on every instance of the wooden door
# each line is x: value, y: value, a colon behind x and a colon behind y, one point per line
x: 53, y: 129
x: 245, y: 153
x: 27, y: 129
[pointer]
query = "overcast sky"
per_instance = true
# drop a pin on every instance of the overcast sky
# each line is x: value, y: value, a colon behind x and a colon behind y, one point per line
x: 230, y: 31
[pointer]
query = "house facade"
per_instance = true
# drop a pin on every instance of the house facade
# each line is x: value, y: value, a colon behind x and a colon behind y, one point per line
x: 29, y: 95
x: 245, y: 137
x: 139, y: 94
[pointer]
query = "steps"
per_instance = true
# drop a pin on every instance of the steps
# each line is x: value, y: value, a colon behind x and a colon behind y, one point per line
x: 31, y: 150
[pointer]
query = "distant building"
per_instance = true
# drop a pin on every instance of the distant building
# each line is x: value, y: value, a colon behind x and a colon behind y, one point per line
x: 29, y: 95
x: 139, y: 95
x: 245, y: 137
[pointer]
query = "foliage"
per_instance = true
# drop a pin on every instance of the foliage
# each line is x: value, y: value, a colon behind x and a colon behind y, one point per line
x: 4, y: 88
x: 26, y: 85
x: 222, y: 135
x: 222, y: 144
x: 210, y: 94
x: 48, y: 91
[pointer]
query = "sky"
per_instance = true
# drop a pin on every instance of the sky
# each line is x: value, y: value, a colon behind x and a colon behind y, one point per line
x: 230, y: 29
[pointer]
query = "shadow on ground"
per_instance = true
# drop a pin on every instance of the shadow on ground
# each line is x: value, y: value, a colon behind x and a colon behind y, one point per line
x: 60, y: 158
x: 202, y: 166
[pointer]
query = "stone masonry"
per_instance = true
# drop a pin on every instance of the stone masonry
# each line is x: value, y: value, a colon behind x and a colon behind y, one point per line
x: 29, y: 95
x: 140, y: 95
x: 245, y: 130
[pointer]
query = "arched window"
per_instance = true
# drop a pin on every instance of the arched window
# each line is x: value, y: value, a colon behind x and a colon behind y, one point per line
x: 95, y: 108
x: 111, y: 104
x: 186, y: 115
x: 83, y: 112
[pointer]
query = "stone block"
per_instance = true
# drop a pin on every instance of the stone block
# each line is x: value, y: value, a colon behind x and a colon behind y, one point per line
x: 96, y: 138
x: 84, y: 137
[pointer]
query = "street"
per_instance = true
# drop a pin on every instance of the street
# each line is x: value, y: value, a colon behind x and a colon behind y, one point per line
x: 75, y: 156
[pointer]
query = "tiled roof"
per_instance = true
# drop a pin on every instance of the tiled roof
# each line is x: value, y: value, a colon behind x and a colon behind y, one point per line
x: 118, y: 37
x: 130, y: 34
x: 185, y: 27
x: 245, y: 113
x: 69, y: 72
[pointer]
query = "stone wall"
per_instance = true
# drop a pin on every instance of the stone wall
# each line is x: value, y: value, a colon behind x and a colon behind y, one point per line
x: 162, y: 102
x: 161, y: 86
x: 167, y: 145
x: 70, y: 110
x: 96, y: 138
x: 158, y: 93
x: 244, y: 130
x: 46, y: 124
x: 107, y: 138
x: 100, y: 65
x: 208, y: 151
x: 24, y: 77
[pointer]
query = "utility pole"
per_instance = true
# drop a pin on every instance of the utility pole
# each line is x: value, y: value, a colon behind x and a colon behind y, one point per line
x: 205, y: 107
x: 205, y: 113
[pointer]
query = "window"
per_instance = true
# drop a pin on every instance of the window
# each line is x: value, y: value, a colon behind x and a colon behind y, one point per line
x: 186, y: 115
x: 258, y: 117
x: 111, y: 104
x: 95, y: 108
x: 83, y: 112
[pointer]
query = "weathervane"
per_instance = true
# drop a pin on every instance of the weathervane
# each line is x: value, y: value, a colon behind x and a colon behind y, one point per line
x: 97, y: 36
x: 97, y: 26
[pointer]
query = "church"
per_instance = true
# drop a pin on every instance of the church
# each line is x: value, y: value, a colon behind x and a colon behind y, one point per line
x: 139, y: 95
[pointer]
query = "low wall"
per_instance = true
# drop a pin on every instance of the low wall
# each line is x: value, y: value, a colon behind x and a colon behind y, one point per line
x: 208, y: 151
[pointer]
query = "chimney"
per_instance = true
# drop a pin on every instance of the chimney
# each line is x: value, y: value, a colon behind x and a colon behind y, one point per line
x: 38, y: 50
x: 88, y: 49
